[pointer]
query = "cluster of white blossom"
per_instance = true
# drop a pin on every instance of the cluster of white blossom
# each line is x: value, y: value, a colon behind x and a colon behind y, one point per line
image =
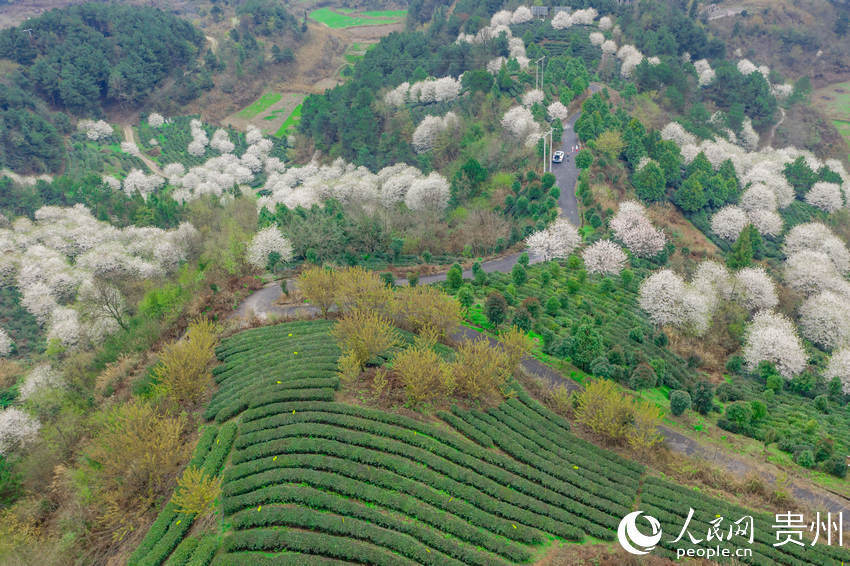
x: 606, y: 23
x: 95, y: 130
x: 426, y: 91
x: 313, y: 183
x: 609, y: 47
x: 783, y: 91
x: 584, y: 17
x: 138, y: 182
x: 556, y: 241
x: 112, y: 182
x: 521, y: 15
x: 557, y: 111
x: 220, y: 174
x: 729, y: 221
x: 532, y: 97
x: 42, y: 376
x: 597, y: 38
x: 630, y: 57
x: 520, y: 124
x: 704, y: 72
x: 221, y: 141
x: 51, y: 259
x: 425, y: 135
x: 17, y: 429
x: 155, y: 120
x: 5, y: 343
x: 678, y: 135
x: 839, y: 366
x: 818, y: 237
x: 200, y: 140
x: 825, y: 320
x: 604, y: 256
x: 772, y: 337
x: 631, y: 226
x: 265, y: 242
x: 754, y: 289
x: 669, y: 300
x: 826, y: 196
x: 747, y: 67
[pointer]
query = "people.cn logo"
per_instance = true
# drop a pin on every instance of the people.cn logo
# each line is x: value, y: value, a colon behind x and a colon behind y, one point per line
x: 634, y: 541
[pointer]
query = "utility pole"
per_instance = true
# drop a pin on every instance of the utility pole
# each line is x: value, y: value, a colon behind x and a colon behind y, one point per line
x: 538, y: 67
x: 545, y: 161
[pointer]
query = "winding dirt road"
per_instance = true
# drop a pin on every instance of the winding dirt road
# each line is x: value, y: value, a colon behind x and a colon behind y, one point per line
x: 130, y: 137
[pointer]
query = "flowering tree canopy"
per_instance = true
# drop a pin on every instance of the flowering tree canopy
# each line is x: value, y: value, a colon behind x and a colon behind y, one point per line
x: 728, y: 222
x: 826, y: 196
x: 17, y: 429
x: 604, y: 257
x: 754, y: 289
x: 815, y: 236
x: 532, y: 97
x: 558, y: 240
x: 95, y: 130
x: 631, y: 226
x: 771, y: 337
x: 557, y: 111
x: 825, y: 320
x: 155, y: 120
x: 5, y: 344
x: 520, y: 124
x: 839, y: 366
x: 661, y: 296
x: 521, y: 15
x: 266, y: 242
x: 42, y: 376
x: 425, y: 135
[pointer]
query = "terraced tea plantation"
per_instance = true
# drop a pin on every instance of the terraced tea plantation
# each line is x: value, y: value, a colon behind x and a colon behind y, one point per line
x: 314, y: 481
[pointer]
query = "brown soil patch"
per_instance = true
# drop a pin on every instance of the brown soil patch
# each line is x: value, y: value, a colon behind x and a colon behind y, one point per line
x: 681, y: 231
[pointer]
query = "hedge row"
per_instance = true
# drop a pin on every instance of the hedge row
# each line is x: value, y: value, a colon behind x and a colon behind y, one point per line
x: 218, y: 454
x: 260, y: 360
x: 461, y: 548
x: 496, y: 467
x: 247, y: 338
x: 340, y: 525
x: 615, y: 495
x: 263, y: 397
x: 458, y: 468
x: 205, y: 551
x: 183, y: 552
x: 478, y: 491
x: 320, y: 467
x: 468, y: 431
x: 281, y: 559
x: 595, y: 458
x: 271, y: 540
x: 542, y: 454
x: 338, y: 500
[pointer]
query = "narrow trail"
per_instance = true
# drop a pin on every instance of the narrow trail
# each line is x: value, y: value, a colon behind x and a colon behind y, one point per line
x: 130, y: 137
x: 769, y: 141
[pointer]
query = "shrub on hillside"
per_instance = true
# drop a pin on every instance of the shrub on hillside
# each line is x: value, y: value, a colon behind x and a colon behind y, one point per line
x: 680, y: 401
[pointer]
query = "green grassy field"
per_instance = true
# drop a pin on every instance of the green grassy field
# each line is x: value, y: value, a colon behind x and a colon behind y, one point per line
x: 289, y: 122
x: 834, y: 101
x: 384, y: 13
x: 260, y: 105
x: 337, y: 20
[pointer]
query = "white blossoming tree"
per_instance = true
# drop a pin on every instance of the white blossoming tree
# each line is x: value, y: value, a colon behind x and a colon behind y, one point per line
x: 661, y: 295
x: 772, y: 337
x: 839, y: 366
x: 729, y: 222
x: 17, y: 429
x: 631, y: 227
x: 155, y: 120
x: 754, y: 289
x: 604, y: 256
x: 557, y: 111
x: 520, y: 124
x: 826, y: 196
x: 5, y: 344
x: 825, y: 320
x: 556, y: 241
x: 42, y: 376
x: 266, y: 242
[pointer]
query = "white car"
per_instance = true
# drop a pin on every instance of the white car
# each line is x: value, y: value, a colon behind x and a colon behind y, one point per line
x: 557, y: 157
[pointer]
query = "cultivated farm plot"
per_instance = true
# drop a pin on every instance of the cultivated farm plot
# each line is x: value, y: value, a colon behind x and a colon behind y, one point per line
x: 274, y: 113
x: 336, y: 18
x: 310, y: 480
